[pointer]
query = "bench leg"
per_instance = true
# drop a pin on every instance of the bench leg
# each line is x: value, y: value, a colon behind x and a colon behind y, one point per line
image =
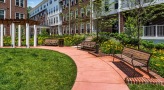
x: 134, y: 72
x: 148, y: 72
x: 113, y: 58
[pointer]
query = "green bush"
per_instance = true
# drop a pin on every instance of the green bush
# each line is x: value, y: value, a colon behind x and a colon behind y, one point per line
x: 159, y: 46
x: 148, y: 44
x: 111, y: 46
x: 70, y: 40
x: 102, y: 37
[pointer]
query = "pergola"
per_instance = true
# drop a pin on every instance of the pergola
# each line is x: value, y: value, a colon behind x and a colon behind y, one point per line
x: 26, y: 22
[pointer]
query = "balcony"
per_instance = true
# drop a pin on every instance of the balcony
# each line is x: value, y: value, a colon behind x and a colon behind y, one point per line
x: 143, y: 3
x: 153, y: 32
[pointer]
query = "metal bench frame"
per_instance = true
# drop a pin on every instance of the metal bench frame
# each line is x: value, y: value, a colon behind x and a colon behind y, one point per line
x: 134, y: 58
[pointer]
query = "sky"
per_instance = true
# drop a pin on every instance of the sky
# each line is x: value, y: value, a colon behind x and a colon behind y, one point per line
x: 33, y: 3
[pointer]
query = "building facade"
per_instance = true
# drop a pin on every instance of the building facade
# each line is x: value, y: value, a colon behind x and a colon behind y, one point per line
x: 12, y: 9
x: 77, y: 16
x: 48, y: 13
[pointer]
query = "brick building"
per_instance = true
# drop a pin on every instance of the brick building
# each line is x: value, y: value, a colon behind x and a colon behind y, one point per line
x: 47, y: 13
x: 76, y: 16
x: 12, y: 9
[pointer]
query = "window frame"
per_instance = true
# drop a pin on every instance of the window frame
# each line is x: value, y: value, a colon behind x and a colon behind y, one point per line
x: 4, y: 13
x: 3, y: 1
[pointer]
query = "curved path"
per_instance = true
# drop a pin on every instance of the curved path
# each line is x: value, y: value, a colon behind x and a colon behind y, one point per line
x: 93, y: 73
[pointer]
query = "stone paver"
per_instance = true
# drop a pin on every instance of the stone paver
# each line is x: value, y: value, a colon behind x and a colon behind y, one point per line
x: 93, y: 73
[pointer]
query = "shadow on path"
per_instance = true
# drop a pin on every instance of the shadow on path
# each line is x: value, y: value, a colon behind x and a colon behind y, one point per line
x: 129, y: 71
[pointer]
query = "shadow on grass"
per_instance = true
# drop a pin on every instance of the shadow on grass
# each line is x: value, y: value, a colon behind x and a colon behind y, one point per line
x: 127, y: 69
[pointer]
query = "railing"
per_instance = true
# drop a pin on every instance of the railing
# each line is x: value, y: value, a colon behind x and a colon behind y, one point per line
x: 132, y: 3
x: 153, y: 31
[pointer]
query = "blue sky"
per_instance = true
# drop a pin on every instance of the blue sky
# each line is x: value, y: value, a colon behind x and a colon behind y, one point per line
x: 33, y: 3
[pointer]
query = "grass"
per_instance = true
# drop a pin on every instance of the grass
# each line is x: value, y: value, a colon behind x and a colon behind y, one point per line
x: 145, y: 87
x: 36, y: 69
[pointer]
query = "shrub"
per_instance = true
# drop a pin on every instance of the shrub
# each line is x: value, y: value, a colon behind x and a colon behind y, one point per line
x: 103, y: 36
x: 70, y: 40
x: 111, y: 46
x: 159, y: 46
x: 147, y: 44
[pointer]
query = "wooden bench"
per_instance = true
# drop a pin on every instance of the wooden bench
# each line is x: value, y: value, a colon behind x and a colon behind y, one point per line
x: 134, y: 57
x: 51, y: 42
x: 89, y: 45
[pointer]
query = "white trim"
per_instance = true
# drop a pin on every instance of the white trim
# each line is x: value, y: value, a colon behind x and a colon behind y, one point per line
x: 13, y: 35
x: 27, y: 35
x: 2, y: 28
x: 10, y: 10
x: 35, y: 36
x: 19, y: 35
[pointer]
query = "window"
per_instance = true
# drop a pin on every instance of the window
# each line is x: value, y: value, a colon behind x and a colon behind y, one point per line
x: 67, y: 18
x: 82, y: 28
x: 56, y: 19
x: 76, y: 14
x: 22, y: 3
x: 51, y: 10
x: 2, y: 0
x: 82, y: 12
x: 87, y: 11
x: 2, y: 14
x: 88, y: 28
x: 17, y: 2
x: 116, y: 4
x: 76, y: 1
x: 106, y: 5
x: 57, y: 8
x: 21, y: 16
x: 17, y: 16
x: 54, y: 9
x: 71, y: 15
x: 50, y: 1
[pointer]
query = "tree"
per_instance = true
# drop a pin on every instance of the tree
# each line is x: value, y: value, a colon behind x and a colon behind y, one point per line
x: 101, y: 9
x: 29, y: 8
x: 140, y: 12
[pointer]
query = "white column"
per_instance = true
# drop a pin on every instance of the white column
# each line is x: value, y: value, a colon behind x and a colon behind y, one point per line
x: 50, y: 31
x: 40, y: 32
x: 1, y: 35
x: 35, y: 36
x: 156, y: 31
x: 27, y: 35
x: 19, y: 35
x: 13, y: 35
x: 143, y: 30
x: 59, y: 30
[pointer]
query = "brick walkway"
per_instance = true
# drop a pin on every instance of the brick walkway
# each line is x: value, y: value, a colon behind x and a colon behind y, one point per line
x: 93, y: 73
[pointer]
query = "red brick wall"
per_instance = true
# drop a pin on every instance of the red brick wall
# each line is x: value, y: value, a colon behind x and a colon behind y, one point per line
x: 14, y: 9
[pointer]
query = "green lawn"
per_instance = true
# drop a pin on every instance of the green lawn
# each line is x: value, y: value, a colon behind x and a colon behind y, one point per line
x: 35, y: 69
x: 145, y: 87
